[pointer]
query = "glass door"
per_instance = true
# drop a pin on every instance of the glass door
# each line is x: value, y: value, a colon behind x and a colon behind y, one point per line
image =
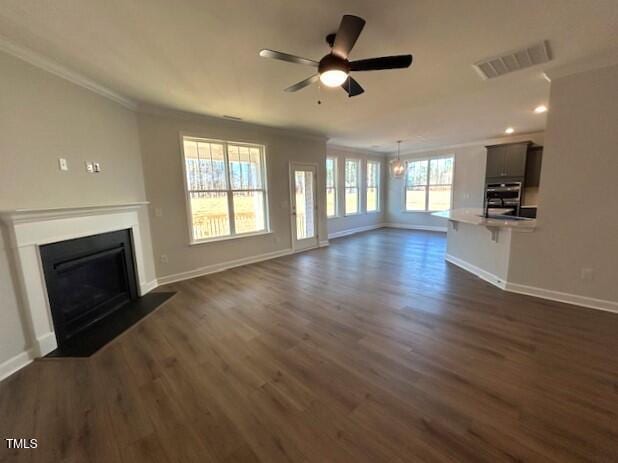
x: 303, y: 201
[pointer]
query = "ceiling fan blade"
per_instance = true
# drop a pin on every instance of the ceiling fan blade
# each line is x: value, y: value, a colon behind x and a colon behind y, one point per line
x: 349, y: 30
x: 303, y: 83
x: 352, y: 87
x: 272, y: 54
x: 385, y: 62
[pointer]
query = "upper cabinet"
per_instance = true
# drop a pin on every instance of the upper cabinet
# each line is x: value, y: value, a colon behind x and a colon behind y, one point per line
x: 507, y: 161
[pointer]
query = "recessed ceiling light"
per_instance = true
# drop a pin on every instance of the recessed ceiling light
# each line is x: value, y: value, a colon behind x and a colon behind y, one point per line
x: 509, y: 130
x: 540, y: 109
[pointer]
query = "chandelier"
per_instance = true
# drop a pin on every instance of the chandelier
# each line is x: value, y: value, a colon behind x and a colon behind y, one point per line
x: 398, y: 167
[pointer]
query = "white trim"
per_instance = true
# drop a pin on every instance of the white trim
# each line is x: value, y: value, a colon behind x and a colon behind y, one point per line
x: 58, y: 70
x: 229, y: 191
x: 148, y: 286
x: 542, y: 293
x: 352, y: 231
x: 219, y: 267
x: 311, y: 242
x: 434, y: 228
x: 18, y: 216
x: 350, y: 149
x: 324, y: 243
x: 31, y: 228
x: 567, y: 298
x: 435, y: 149
x: 46, y: 343
x: 427, y: 185
x: 479, y: 272
x: 17, y: 362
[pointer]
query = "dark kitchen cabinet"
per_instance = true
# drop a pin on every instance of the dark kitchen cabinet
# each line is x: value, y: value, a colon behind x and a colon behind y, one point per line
x: 533, y: 166
x: 506, y: 161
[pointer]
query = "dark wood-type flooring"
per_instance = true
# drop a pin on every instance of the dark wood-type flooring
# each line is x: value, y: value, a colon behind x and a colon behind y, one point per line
x: 371, y: 350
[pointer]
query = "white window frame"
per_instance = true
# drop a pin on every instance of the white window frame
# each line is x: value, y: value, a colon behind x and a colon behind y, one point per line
x: 334, y: 187
x: 378, y: 186
x: 427, y: 184
x: 359, y: 177
x: 229, y: 191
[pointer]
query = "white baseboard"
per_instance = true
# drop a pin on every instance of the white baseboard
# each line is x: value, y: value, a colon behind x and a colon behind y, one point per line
x: 352, y: 231
x: 164, y: 280
x: 10, y: 366
x: 479, y: 272
x: 46, y: 344
x: 324, y: 243
x: 407, y: 226
x: 568, y: 298
x: 549, y: 294
x: 145, y: 288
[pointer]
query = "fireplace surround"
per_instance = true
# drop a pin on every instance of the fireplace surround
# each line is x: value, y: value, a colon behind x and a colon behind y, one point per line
x: 29, y: 230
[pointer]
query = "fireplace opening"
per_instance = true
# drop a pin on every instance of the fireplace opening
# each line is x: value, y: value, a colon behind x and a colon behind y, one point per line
x: 87, y: 280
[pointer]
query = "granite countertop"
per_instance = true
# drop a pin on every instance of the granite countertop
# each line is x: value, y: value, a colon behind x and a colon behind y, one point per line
x: 475, y: 216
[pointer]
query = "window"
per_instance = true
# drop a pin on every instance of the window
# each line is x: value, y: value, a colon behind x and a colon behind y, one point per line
x: 352, y: 186
x: 226, y: 188
x: 429, y: 184
x: 373, y: 186
x: 331, y: 187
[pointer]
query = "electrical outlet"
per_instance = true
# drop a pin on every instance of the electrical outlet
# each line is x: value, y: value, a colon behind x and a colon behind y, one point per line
x: 164, y: 259
x: 89, y: 167
x: 158, y: 212
x: 63, y: 164
x: 587, y: 274
x: 96, y: 167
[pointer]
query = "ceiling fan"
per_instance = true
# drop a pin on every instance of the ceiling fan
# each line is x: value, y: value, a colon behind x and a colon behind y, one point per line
x: 334, y: 68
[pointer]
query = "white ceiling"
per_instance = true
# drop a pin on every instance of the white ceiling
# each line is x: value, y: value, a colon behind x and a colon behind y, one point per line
x: 202, y: 56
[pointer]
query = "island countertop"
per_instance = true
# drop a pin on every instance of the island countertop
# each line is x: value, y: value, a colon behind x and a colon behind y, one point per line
x: 475, y: 216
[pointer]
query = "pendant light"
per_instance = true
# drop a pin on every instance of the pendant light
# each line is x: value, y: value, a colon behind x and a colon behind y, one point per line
x: 398, y: 167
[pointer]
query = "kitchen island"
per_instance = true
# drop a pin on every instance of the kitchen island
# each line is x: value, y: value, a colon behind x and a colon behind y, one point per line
x: 482, y: 245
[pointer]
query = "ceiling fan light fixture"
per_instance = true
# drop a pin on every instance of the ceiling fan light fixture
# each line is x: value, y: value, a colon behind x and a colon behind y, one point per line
x: 333, y: 77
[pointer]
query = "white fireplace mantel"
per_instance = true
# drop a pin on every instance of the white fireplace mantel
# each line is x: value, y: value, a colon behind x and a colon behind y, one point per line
x: 31, y: 228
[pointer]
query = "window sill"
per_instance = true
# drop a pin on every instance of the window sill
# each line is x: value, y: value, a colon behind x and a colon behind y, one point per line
x: 373, y: 212
x: 353, y: 215
x: 228, y: 238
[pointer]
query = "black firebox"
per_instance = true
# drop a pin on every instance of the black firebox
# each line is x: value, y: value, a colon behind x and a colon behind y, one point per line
x: 88, y: 279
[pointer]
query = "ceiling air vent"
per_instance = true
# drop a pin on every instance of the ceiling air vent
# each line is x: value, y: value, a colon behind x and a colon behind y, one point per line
x: 514, y: 60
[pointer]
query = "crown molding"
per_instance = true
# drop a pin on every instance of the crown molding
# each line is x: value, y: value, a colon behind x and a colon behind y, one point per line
x: 165, y: 111
x: 602, y: 60
x: 486, y: 141
x: 46, y: 64
x: 350, y: 149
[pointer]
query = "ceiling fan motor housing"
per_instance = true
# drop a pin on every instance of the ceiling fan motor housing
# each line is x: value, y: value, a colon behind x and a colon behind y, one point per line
x: 333, y: 62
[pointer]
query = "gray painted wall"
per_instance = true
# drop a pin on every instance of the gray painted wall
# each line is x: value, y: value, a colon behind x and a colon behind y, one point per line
x: 160, y: 135
x: 43, y: 117
x: 577, y: 220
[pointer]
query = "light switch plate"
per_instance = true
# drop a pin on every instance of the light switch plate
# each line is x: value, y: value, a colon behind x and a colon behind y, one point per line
x: 96, y: 167
x: 89, y: 167
x: 63, y: 164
